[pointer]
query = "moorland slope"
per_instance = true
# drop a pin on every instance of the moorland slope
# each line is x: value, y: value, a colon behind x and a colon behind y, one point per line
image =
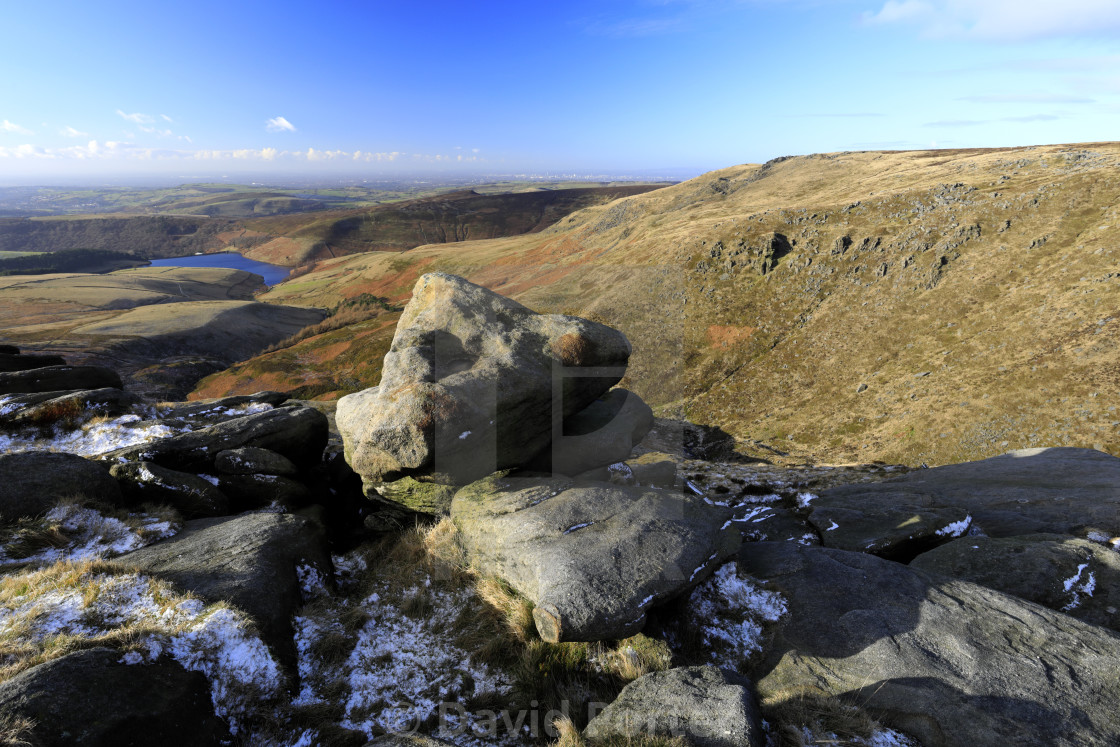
x: 922, y: 306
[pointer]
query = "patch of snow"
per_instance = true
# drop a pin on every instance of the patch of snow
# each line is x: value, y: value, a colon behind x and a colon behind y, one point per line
x: 210, y: 479
x: 729, y: 612
x: 311, y: 581
x: 883, y: 737
x: 577, y: 527
x: 92, y: 535
x: 692, y: 486
x: 768, y: 498
x: 956, y: 529
x: 1086, y: 587
x: 833, y: 527
x: 464, y: 434
x: 402, y: 669
x: 804, y: 499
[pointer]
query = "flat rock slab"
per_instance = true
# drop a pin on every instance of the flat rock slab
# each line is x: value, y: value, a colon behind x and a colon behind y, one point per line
x: 946, y: 661
x: 297, y: 432
x: 703, y: 706
x: 1062, y: 490
x: 32, y: 483
x: 910, y: 524
x: 252, y: 460
x: 91, y: 698
x: 250, y: 561
x: 473, y: 383
x: 1068, y: 574
x: 58, y: 378
x: 592, y: 557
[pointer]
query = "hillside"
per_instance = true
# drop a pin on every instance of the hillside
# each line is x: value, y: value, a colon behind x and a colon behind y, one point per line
x: 926, y: 306
x: 445, y: 218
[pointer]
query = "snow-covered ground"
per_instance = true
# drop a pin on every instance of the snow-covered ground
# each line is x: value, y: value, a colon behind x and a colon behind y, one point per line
x: 91, y: 535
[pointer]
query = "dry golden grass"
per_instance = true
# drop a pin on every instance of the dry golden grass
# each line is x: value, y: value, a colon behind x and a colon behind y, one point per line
x: 1018, y: 333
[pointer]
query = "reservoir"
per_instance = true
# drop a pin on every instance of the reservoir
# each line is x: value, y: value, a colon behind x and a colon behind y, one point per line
x: 272, y: 274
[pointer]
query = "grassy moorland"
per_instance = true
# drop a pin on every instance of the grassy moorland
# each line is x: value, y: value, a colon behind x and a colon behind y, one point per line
x: 924, y: 306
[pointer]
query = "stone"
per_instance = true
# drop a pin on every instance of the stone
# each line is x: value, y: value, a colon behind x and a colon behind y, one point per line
x: 592, y: 557
x: 253, y: 561
x: 704, y: 706
x: 430, y: 498
x: 297, y: 432
x: 1068, y: 574
x: 474, y: 383
x: 1062, y: 490
x: 9, y: 362
x: 46, y: 408
x: 58, y: 379
x: 945, y: 661
x: 248, y: 492
x: 34, y: 482
x: 250, y: 460
x: 192, y: 495
x: 603, y: 433
x: 91, y: 698
x: 208, y: 409
x: 911, y: 523
x: 9, y: 350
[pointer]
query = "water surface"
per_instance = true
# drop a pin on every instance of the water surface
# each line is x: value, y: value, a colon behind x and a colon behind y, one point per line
x: 272, y: 274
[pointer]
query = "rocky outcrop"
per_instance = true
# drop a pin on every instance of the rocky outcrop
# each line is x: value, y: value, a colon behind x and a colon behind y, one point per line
x: 946, y: 661
x: 703, y: 706
x: 295, y: 431
x: 147, y: 482
x: 93, y: 698
x: 474, y: 383
x: 1063, y: 490
x: 58, y: 379
x: 47, y: 408
x: 254, y: 562
x: 592, y: 557
x: 1071, y: 575
x: 32, y: 483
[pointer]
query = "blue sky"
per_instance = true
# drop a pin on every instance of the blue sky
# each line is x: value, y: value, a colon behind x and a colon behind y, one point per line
x: 606, y: 86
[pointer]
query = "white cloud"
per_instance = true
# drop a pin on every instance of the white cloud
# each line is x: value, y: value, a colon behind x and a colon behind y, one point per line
x: 7, y: 126
x: 71, y: 132
x: 1003, y: 20
x: 166, y: 118
x: 279, y: 124
x: 138, y: 118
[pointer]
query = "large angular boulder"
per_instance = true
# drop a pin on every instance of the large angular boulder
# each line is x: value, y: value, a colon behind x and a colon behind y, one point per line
x: 703, y: 706
x: 255, y: 562
x: 946, y: 661
x: 1062, y: 490
x: 295, y: 431
x: 592, y: 557
x: 474, y: 383
x: 33, y: 482
x: 1068, y: 574
x: 92, y: 698
x: 58, y: 378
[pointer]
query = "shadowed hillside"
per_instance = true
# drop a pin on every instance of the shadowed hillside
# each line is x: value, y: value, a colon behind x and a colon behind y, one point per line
x: 453, y: 217
x: 928, y: 306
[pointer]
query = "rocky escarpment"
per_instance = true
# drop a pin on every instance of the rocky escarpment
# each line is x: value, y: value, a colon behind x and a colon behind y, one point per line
x: 681, y: 591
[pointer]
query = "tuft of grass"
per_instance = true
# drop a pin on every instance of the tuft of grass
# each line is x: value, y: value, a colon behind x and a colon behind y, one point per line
x: 823, y: 717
